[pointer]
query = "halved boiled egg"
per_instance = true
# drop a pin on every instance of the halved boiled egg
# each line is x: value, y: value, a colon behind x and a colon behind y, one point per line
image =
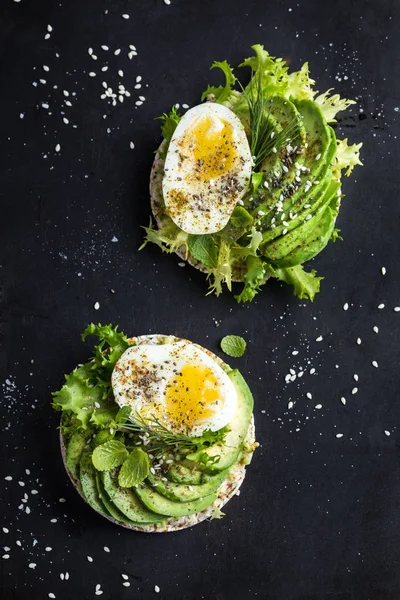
x: 178, y: 383
x: 207, y: 168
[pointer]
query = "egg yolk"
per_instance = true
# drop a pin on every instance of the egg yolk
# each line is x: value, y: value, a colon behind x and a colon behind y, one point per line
x: 192, y: 395
x: 211, y: 141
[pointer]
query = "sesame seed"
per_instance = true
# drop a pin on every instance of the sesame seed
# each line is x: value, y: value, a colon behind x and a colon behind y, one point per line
x: 354, y: 391
x: 125, y: 16
x: 90, y: 50
x: 343, y: 400
x: 46, y: 68
x: 43, y: 81
x: 90, y: 559
x: 126, y: 583
x: 167, y: 2
x: 156, y: 588
x: 339, y: 435
x: 8, y: 478
x: 358, y: 341
x: 374, y: 364
x: 312, y: 371
x: 319, y: 339
x: 124, y: 576
x: 32, y: 565
x: 396, y: 309
x: 380, y: 306
x: 104, y: 47
x: 62, y: 500
x: 376, y: 329
x: 117, y: 51
x: 49, y: 28
x: 5, y: 556
x: 106, y: 549
x: 65, y: 120
x: 66, y: 93
x: 53, y: 520
x: 290, y: 405
x: 355, y: 377
x: 345, y: 306
x: 21, y: 483
x: 48, y: 549
x: 309, y: 395
x: 284, y: 232
x: 383, y: 270
x: 96, y: 306
x: 98, y: 586
x: 387, y: 432
x: 47, y: 36
x: 62, y: 576
x: 67, y: 575
x: 105, y: 68
x: 120, y: 73
x: 131, y: 145
x: 318, y: 406
x: 92, y: 74
x: 51, y: 595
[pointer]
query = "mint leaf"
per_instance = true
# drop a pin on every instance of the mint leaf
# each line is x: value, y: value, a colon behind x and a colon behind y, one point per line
x: 241, y: 218
x: 109, y: 455
x: 204, y: 249
x: 305, y: 284
x: 221, y: 93
x: 135, y: 469
x: 233, y: 345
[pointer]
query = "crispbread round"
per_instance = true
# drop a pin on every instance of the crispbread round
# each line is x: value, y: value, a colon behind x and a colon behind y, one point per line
x: 156, y: 177
x: 226, y: 491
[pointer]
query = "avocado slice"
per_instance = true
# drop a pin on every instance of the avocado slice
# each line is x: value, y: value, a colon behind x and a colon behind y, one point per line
x: 158, y: 503
x: 187, y: 493
x: 228, y: 453
x: 276, y: 250
x: 128, y: 502
x: 108, y: 505
x: 87, y: 476
x: 75, y: 447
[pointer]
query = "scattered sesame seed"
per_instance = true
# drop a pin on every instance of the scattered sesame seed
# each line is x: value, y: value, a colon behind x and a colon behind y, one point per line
x: 355, y: 377
x: 309, y: 395
x: 21, y: 483
x: 106, y: 549
x: 32, y: 565
x: 380, y: 306
x: 387, y: 432
x: 396, y: 309
x: 48, y: 549
x: 131, y: 145
x: 354, y: 390
x: 92, y: 74
x: 156, y: 588
x: 49, y: 28
x: 117, y: 51
x: 376, y: 329
x: 46, y: 68
x: 90, y: 559
x: 120, y: 73
x: 167, y: 2
x: 319, y: 339
x: 346, y: 306
x: 62, y: 500
x: 47, y: 36
x: 65, y: 120
x: 339, y: 435
x: 57, y: 148
x: 290, y: 405
x: 51, y: 595
x: 358, y: 341
x: 8, y: 478
x: 125, y: 16
x: 53, y: 520
x: 126, y: 583
x: 5, y: 556
x: 90, y: 50
x: 383, y: 270
x: 375, y: 364
x: 67, y: 575
x: 96, y: 306
x: 124, y: 576
x: 312, y: 371
x: 105, y: 68
x: 318, y: 406
x: 343, y: 400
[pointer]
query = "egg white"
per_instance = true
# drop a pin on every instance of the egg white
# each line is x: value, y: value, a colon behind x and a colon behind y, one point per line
x: 201, y: 193
x: 144, y: 376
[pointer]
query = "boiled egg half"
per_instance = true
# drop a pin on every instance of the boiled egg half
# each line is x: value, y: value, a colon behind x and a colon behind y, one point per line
x: 207, y: 168
x: 178, y: 383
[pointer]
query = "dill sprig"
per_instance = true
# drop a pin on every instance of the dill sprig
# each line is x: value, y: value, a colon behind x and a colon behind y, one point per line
x: 263, y: 138
x: 159, y: 438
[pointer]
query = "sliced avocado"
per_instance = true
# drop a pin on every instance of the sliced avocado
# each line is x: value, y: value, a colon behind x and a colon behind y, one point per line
x: 187, y: 472
x: 75, y: 447
x: 290, y: 187
x: 158, y: 503
x: 108, y: 505
x: 128, y: 502
x: 229, y: 451
x: 87, y: 476
x: 276, y: 250
x: 187, y: 493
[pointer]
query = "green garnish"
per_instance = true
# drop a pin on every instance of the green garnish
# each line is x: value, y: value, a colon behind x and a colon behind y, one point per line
x: 135, y: 469
x: 158, y: 439
x: 203, y: 248
x: 233, y: 345
x: 109, y: 455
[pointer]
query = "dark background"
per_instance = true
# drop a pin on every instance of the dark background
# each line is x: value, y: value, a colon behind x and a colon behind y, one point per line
x: 318, y: 516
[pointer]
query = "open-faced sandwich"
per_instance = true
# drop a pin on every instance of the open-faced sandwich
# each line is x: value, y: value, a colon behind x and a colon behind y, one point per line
x: 156, y: 431
x: 247, y: 185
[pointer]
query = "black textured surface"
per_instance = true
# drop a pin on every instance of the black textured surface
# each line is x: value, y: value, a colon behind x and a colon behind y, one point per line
x: 318, y: 516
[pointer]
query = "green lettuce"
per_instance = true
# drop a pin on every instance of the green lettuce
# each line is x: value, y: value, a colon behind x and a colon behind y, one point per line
x: 347, y: 157
x: 305, y: 284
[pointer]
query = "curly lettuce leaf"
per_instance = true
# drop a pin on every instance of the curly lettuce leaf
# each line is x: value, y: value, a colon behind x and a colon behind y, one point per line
x: 347, y: 157
x: 331, y: 105
x: 169, y: 238
x: 221, y: 92
x: 305, y: 284
x: 300, y: 84
x: 169, y: 124
x: 254, y: 278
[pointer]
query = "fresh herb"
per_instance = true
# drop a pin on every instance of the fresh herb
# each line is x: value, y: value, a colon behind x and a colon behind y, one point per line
x: 134, y: 469
x: 233, y: 345
x: 254, y: 278
x: 159, y: 439
x: 203, y: 248
x: 109, y: 455
x: 221, y: 93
